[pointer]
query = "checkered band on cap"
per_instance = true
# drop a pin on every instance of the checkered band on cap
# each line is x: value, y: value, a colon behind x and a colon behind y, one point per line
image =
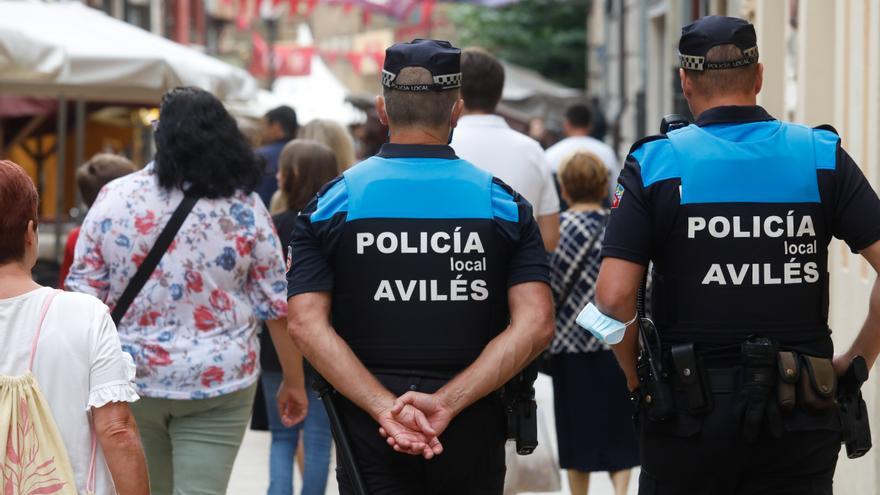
x: 691, y: 62
x: 694, y: 62
x: 449, y: 81
x: 387, y: 77
x: 440, y: 83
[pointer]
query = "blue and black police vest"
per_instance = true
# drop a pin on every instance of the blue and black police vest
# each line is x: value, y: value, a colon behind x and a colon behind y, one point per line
x: 744, y: 249
x: 422, y: 252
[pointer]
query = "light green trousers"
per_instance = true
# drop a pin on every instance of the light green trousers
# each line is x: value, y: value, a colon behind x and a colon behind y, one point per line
x: 191, y: 444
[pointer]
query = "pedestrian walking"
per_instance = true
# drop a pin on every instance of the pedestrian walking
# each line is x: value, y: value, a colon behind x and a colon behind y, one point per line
x: 417, y: 273
x: 65, y: 383
x: 578, y: 127
x: 594, y: 427
x: 736, y: 212
x: 304, y: 167
x: 486, y: 140
x: 192, y: 327
x: 279, y: 127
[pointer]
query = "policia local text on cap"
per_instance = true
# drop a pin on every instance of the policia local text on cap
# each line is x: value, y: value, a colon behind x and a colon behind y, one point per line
x: 735, y: 213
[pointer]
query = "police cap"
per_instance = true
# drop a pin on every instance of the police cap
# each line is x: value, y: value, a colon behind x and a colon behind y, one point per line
x: 698, y: 37
x: 439, y: 57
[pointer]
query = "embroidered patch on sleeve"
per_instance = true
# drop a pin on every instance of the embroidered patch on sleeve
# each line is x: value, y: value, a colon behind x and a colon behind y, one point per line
x: 618, y: 193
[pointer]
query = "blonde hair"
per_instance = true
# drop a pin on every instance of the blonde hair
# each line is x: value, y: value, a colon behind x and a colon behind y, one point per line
x: 335, y: 136
x: 583, y: 178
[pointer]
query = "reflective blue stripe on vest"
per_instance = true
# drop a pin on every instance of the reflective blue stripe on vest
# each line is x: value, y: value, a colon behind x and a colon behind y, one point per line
x: 777, y: 166
x: 417, y: 188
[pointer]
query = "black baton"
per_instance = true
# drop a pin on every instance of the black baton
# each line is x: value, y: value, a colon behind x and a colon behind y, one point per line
x: 326, y: 393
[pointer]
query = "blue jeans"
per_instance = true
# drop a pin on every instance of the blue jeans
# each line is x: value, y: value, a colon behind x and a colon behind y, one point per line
x: 316, y: 442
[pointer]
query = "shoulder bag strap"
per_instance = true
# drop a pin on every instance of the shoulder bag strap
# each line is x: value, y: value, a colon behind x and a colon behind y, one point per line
x: 153, y: 257
x: 45, y: 309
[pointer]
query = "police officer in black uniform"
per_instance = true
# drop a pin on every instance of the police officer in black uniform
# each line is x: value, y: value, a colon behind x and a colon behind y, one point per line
x: 417, y: 272
x: 736, y: 211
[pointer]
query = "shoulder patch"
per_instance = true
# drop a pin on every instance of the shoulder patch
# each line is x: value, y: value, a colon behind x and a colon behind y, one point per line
x: 618, y: 194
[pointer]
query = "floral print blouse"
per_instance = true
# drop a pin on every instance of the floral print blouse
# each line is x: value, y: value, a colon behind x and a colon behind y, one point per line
x: 192, y: 330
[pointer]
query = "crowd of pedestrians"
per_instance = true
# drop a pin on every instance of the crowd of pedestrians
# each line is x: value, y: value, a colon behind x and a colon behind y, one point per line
x: 203, y: 348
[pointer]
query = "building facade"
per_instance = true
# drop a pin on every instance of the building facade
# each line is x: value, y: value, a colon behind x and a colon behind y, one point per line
x: 821, y: 65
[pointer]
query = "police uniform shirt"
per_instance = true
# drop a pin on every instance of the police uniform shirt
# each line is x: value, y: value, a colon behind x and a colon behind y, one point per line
x: 736, y: 213
x: 418, y: 249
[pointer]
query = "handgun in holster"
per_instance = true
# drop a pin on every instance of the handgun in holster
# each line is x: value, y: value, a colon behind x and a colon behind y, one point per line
x: 758, y: 396
x: 522, y: 410
x: 655, y: 392
x: 854, y: 412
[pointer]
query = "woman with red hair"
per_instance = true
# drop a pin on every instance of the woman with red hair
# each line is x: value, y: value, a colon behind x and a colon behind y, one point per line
x: 41, y: 328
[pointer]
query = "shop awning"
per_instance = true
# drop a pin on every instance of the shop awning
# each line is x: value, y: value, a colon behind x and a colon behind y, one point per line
x: 48, y: 49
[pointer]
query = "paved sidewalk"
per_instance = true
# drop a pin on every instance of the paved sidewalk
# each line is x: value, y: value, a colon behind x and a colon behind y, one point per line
x: 250, y: 474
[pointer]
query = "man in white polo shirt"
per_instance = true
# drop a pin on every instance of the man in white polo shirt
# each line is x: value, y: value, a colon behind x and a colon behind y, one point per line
x: 578, y: 124
x: 486, y: 140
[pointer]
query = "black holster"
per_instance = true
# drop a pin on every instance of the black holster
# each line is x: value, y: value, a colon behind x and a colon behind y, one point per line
x: 522, y: 410
x: 854, y: 412
x: 655, y: 395
x: 759, y: 404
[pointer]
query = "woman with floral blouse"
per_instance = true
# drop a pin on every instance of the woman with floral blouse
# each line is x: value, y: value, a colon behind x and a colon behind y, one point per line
x: 192, y: 330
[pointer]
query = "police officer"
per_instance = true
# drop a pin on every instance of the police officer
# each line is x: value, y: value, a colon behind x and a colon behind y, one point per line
x: 736, y: 212
x: 417, y: 272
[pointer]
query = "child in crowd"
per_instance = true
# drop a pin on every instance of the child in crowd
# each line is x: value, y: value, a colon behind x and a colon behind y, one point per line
x: 90, y: 178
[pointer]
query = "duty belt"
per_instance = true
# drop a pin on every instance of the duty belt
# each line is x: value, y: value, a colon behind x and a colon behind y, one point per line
x: 770, y: 380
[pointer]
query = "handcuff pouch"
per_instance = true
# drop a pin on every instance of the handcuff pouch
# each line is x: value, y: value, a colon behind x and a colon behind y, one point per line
x: 818, y: 383
x: 789, y: 374
x: 691, y: 379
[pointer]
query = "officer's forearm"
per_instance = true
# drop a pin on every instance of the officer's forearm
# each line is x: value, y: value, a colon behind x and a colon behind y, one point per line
x: 627, y: 352
x: 530, y: 332
x: 288, y: 354
x: 616, y: 291
x: 309, y: 326
x: 867, y: 343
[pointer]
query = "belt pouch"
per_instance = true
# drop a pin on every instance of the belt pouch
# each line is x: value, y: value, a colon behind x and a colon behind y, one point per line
x: 690, y: 376
x: 818, y: 383
x: 789, y: 373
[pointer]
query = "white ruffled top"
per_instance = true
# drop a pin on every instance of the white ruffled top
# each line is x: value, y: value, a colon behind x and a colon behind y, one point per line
x: 117, y: 390
x: 79, y: 365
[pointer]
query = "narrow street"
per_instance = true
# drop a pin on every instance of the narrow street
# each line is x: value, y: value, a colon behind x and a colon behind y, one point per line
x: 250, y: 474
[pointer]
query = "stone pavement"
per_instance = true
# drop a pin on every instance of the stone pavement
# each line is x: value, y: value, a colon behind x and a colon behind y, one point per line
x: 250, y: 474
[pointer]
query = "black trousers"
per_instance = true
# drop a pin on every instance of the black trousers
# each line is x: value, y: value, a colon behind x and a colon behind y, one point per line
x: 708, y: 454
x: 472, y: 462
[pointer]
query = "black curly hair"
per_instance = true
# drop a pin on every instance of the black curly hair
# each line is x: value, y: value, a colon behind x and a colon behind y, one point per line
x: 200, y: 148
